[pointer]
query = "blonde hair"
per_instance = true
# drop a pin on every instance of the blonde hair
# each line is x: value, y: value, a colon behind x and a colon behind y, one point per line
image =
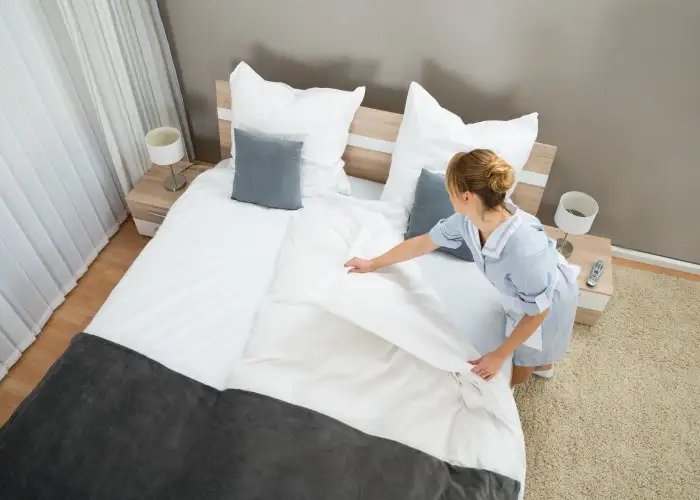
x: 481, y: 172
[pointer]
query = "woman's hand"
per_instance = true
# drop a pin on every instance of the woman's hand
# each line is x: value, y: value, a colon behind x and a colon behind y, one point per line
x: 488, y: 365
x: 406, y: 250
x: 358, y: 265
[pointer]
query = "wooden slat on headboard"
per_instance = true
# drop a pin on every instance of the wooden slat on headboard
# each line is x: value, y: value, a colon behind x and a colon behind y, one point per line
x: 368, y: 154
x: 376, y: 123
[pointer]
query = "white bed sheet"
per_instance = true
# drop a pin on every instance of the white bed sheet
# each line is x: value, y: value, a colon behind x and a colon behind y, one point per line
x: 364, y: 189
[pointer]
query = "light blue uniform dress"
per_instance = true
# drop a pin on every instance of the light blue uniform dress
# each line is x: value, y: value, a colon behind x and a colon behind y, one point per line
x: 522, y: 262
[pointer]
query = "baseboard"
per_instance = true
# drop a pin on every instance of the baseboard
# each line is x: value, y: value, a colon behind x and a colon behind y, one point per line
x: 656, y: 260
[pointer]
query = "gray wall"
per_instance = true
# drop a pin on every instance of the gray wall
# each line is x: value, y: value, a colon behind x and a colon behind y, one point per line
x: 616, y: 83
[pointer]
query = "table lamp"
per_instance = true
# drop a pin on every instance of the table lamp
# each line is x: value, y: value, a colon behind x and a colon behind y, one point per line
x: 575, y: 215
x: 165, y: 147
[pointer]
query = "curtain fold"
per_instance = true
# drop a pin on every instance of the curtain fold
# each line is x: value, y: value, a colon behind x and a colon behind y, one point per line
x: 59, y: 197
x: 125, y: 61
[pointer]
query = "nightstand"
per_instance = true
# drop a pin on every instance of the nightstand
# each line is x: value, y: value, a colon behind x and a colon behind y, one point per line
x: 149, y: 201
x: 587, y: 250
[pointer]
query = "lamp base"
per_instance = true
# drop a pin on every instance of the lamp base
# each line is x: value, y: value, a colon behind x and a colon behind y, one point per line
x: 565, y: 247
x: 175, y: 182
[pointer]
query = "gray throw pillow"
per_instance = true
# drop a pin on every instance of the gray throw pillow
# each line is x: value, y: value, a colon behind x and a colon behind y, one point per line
x: 268, y: 170
x: 430, y: 205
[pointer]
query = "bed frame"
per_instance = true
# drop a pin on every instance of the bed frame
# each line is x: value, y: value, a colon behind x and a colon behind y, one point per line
x: 373, y: 133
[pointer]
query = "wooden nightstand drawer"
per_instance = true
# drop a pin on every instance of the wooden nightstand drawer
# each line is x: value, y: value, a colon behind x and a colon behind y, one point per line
x: 146, y: 228
x: 146, y: 212
x: 149, y: 201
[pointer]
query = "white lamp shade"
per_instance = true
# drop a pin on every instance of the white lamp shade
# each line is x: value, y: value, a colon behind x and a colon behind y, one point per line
x: 165, y: 145
x: 576, y: 212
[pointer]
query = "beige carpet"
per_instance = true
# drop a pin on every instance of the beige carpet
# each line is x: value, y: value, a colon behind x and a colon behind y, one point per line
x: 621, y: 417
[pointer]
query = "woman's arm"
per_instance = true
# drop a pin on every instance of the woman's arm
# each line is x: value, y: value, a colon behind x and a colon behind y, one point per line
x: 489, y: 364
x: 407, y: 250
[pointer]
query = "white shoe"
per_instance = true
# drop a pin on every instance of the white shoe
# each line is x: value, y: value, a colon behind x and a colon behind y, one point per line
x: 544, y: 373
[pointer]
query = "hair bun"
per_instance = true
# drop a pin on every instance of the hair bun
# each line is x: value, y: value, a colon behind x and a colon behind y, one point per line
x: 501, y: 176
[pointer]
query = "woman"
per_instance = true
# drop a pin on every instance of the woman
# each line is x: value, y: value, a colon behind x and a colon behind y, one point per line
x: 511, y: 248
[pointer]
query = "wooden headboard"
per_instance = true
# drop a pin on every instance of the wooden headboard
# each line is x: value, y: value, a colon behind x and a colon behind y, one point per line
x: 372, y: 136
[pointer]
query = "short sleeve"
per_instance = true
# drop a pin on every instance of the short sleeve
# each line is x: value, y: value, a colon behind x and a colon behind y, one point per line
x: 535, y: 282
x: 448, y: 232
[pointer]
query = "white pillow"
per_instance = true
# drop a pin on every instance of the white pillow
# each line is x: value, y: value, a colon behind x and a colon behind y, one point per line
x: 321, y: 117
x: 430, y: 135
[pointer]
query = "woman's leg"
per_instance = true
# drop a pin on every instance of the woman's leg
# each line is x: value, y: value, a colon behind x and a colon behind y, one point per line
x: 520, y: 374
x: 543, y: 368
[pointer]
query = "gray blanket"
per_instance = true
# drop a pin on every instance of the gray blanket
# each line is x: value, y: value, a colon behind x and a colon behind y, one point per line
x: 109, y: 423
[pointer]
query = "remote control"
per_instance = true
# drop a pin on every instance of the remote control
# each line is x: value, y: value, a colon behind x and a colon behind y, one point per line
x: 596, y: 273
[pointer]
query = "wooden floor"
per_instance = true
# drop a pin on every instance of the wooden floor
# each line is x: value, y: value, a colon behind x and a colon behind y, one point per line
x: 84, y: 301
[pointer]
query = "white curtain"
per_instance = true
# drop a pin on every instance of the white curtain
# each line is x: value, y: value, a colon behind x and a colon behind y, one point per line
x: 60, y: 200
x: 127, y: 64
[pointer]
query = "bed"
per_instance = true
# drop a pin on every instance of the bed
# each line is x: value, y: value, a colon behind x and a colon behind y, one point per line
x: 158, y: 399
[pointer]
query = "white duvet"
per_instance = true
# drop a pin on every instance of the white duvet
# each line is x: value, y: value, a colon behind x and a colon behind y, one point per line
x: 374, y: 351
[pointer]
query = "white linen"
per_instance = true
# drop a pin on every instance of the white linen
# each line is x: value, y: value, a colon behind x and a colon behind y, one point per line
x: 472, y: 303
x: 189, y: 299
x: 430, y: 135
x: 363, y: 189
x: 320, y: 117
x: 327, y: 340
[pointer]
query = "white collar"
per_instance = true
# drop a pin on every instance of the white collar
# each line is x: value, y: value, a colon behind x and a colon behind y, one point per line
x: 499, y: 237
